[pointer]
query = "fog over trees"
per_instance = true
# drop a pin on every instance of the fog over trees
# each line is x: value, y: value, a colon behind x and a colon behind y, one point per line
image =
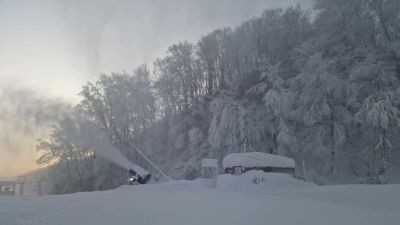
x: 323, y: 88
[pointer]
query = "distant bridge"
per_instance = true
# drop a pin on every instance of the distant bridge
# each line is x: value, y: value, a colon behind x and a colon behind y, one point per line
x: 8, y: 187
x: 18, y: 187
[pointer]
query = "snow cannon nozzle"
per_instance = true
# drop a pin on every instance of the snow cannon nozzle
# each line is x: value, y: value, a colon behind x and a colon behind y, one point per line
x: 132, y: 172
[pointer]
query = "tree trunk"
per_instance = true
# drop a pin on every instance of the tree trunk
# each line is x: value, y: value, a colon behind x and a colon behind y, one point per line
x: 68, y: 169
x: 332, y: 142
x: 275, y: 137
x: 382, y: 169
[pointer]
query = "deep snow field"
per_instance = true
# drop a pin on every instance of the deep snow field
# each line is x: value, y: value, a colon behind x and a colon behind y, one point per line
x: 276, y: 199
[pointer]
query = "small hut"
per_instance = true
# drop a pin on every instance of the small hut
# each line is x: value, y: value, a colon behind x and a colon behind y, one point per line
x: 238, y: 163
x: 209, y: 172
x: 209, y: 168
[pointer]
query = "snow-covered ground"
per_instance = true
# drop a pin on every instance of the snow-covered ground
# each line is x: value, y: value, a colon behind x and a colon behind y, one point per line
x: 276, y: 199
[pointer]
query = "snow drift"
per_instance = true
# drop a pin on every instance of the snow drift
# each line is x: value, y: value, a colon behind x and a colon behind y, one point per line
x: 257, y: 180
x: 186, y: 202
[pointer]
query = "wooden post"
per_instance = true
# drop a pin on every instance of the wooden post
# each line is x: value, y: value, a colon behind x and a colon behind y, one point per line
x: 305, y: 172
x: 21, y: 180
x: 21, y: 188
x: 40, y: 184
x: 40, y: 187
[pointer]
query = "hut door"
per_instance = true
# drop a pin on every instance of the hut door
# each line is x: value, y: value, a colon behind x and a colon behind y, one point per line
x: 238, y: 170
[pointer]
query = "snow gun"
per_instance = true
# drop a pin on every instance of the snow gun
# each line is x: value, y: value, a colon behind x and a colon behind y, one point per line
x: 138, y: 176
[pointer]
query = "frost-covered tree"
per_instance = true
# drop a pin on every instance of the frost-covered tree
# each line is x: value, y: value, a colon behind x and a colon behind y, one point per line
x: 378, y: 113
x: 277, y: 101
x: 321, y: 91
x: 70, y: 162
x: 212, y: 55
x: 237, y: 125
x: 123, y: 107
x: 179, y: 82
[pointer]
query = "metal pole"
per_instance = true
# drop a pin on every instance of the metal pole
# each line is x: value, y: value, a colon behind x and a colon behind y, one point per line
x: 21, y: 184
x: 40, y: 184
x: 21, y: 188
x: 147, y: 159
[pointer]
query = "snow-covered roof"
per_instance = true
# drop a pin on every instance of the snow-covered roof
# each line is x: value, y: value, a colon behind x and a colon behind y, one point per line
x: 257, y: 159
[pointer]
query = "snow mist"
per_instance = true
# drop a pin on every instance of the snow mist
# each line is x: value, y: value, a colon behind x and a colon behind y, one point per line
x: 99, y: 142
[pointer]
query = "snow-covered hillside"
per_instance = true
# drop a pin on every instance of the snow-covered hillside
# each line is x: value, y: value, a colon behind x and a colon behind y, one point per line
x: 278, y: 199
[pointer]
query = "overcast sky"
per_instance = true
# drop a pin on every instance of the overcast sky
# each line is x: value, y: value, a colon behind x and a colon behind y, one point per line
x: 50, y: 48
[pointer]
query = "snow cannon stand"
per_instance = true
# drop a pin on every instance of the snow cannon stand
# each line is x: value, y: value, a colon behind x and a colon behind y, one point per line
x: 136, y: 178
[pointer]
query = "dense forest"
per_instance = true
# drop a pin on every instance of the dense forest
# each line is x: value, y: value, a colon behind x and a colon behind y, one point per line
x: 321, y: 86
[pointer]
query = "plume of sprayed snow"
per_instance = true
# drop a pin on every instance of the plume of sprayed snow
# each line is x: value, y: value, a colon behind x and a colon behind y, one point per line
x: 98, y: 141
x: 24, y: 114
